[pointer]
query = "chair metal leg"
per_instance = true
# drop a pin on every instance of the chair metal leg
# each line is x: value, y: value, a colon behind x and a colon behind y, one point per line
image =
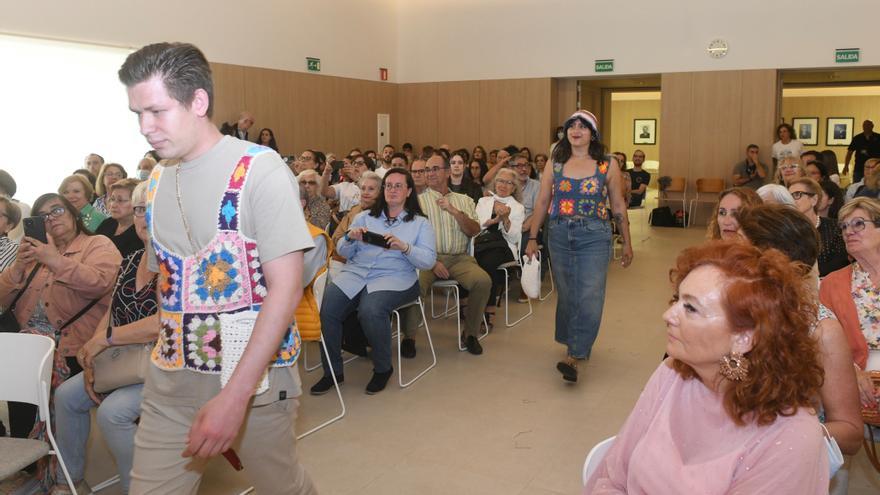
x: 338, y: 394
x: 507, y: 301
x: 44, y: 391
x: 106, y: 484
x: 309, y: 369
x: 549, y: 272
x: 396, y: 313
x: 446, y: 312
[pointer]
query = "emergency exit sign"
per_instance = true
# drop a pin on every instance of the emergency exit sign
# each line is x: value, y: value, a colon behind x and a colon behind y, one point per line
x: 313, y: 64
x: 605, y: 65
x: 846, y: 55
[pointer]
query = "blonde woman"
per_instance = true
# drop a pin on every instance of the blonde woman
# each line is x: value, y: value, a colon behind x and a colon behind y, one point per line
x: 110, y: 173
x: 78, y: 190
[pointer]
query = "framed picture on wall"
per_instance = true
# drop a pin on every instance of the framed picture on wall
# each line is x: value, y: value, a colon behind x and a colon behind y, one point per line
x: 806, y: 130
x: 839, y: 131
x: 645, y: 131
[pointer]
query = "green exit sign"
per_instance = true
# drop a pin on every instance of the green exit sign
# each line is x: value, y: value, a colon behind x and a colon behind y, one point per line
x: 846, y: 55
x: 313, y: 64
x: 605, y: 65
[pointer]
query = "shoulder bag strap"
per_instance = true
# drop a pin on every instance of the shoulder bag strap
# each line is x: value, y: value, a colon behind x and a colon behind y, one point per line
x: 21, y: 291
x: 81, y: 312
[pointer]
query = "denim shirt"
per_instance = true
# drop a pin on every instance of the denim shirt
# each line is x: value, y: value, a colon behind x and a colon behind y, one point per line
x: 385, y: 269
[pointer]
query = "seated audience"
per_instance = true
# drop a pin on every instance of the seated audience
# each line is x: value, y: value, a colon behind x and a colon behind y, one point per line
x: 639, y: 180
x: 529, y: 189
x: 308, y: 160
x: 454, y: 220
x: 831, y: 165
x: 384, y: 160
x: 93, y: 163
x: 376, y: 279
x: 110, y: 173
x: 131, y: 319
x: 832, y: 256
x: 871, y: 184
x: 146, y: 166
x: 775, y: 194
x: 478, y: 169
x: 750, y: 172
x: 370, y: 186
x: 77, y: 189
x: 8, y: 189
x: 240, y: 128
x: 832, y: 197
x: 787, y: 147
x: 419, y: 175
x: 120, y: 227
x: 789, y: 170
x: 317, y: 211
x: 407, y: 150
x: 503, y: 158
x: 724, y: 223
x: 624, y: 175
x: 59, y: 289
x: 501, y: 219
x: 399, y: 160
x: 733, y: 401
x: 478, y: 154
x: 493, y: 158
x: 786, y: 229
x: 541, y: 162
x: 267, y: 138
x: 852, y: 295
x: 855, y: 187
x: 10, y: 216
x: 346, y: 192
x: 459, y: 177
x: 90, y: 177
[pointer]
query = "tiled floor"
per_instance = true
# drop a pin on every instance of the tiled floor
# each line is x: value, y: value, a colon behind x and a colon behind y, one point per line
x: 500, y: 423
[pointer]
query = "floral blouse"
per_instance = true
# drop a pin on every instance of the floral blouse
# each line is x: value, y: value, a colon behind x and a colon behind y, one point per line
x: 867, y: 298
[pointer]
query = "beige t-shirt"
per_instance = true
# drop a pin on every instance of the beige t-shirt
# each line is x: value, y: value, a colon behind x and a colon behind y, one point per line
x: 270, y: 213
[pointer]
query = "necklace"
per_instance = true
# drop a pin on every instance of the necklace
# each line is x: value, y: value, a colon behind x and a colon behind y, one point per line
x: 818, y: 221
x: 180, y: 207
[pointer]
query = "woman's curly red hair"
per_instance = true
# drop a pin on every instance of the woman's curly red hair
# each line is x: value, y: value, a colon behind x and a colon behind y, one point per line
x: 766, y: 292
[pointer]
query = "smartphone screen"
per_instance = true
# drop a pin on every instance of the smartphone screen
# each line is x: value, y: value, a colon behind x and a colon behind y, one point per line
x: 35, y: 227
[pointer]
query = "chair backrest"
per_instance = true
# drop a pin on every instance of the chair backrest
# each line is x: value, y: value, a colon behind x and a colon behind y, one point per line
x: 26, y: 368
x: 318, y: 288
x: 594, y: 458
x: 710, y: 185
x: 676, y: 184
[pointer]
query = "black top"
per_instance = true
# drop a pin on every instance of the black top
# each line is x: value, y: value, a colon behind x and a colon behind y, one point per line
x: 832, y: 255
x: 637, y: 178
x: 863, y: 149
x: 128, y: 304
x: 127, y: 242
x: 468, y: 188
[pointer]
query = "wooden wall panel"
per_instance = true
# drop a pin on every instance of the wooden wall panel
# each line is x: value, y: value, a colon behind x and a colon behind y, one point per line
x: 715, y: 115
x: 228, y: 92
x: 858, y: 107
x: 758, y: 121
x: 623, y: 113
x: 417, y: 107
x: 459, y: 114
x: 501, y: 112
x: 675, y: 124
x: 566, y: 100
x: 537, y: 116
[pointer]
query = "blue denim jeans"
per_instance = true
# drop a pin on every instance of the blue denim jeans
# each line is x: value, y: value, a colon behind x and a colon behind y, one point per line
x: 580, y: 250
x: 374, y: 313
x: 116, y: 417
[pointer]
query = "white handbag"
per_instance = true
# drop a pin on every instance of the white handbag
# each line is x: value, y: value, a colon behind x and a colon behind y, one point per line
x: 531, y: 277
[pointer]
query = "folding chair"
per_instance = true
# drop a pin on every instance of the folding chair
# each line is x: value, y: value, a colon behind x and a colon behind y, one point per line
x: 707, y: 192
x: 28, y: 358
x: 318, y: 289
x: 677, y: 185
x: 451, y: 286
x: 517, y: 263
x: 396, y: 314
x: 594, y: 458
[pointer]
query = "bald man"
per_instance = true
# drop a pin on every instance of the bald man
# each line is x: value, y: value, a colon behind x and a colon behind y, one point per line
x: 240, y: 128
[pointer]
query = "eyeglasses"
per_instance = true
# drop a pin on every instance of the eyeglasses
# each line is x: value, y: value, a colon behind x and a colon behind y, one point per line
x: 140, y: 211
x: 522, y: 165
x: 308, y: 183
x: 117, y: 199
x: 53, y: 213
x: 305, y: 158
x: 395, y: 187
x: 434, y: 170
x: 856, y: 224
x: 800, y: 194
x: 359, y: 162
x: 788, y: 167
x: 504, y: 181
x: 420, y: 171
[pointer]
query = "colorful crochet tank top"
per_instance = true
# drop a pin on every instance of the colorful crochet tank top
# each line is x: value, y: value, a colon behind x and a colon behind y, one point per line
x: 580, y: 198
x: 223, y: 277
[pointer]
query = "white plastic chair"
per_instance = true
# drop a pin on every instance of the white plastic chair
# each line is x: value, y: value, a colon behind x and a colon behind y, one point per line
x: 26, y: 364
x: 451, y: 287
x: 594, y: 458
x: 396, y: 314
x: 318, y: 288
x: 517, y: 263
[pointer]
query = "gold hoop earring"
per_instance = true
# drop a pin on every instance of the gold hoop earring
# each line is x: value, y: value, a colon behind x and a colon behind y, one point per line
x: 735, y: 367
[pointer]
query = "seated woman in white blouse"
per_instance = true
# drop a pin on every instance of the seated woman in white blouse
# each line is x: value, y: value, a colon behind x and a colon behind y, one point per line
x: 501, y: 217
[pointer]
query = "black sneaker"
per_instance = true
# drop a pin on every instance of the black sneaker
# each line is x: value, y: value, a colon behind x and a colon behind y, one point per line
x: 473, y: 345
x: 569, y: 372
x: 325, y: 384
x: 408, y: 348
x: 378, y: 382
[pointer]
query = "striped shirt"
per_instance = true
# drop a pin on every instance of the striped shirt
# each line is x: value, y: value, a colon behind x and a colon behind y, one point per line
x: 450, y: 238
x: 8, y: 250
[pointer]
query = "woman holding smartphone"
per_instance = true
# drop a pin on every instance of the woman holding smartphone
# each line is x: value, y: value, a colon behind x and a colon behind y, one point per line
x: 380, y: 275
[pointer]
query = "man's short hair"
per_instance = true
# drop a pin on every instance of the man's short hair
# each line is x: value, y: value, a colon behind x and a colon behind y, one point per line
x: 752, y: 147
x: 182, y: 67
x: 441, y: 155
x: 388, y: 146
x: 401, y: 156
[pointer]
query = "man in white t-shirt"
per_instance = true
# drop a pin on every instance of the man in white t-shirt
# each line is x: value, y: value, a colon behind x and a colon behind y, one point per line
x: 239, y: 203
x: 347, y: 191
x: 383, y: 164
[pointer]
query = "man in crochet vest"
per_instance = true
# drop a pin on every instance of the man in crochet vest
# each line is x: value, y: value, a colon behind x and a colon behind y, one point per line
x: 228, y: 236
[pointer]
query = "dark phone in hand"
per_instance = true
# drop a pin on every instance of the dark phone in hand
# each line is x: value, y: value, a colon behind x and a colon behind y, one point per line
x: 375, y: 239
x: 35, y: 228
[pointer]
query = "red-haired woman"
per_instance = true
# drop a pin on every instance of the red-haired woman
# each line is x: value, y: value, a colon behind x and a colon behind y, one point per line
x: 730, y: 410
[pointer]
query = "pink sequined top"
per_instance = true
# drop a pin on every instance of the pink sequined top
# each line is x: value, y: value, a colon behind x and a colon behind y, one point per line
x: 679, y: 439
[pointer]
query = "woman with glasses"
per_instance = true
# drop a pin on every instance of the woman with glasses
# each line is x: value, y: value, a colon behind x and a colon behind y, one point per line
x: 789, y: 170
x: 385, y: 247
x: 109, y: 174
x: 807, y: 193
x: 852, y: 292
x: 119, y: 228
x: 131, y: 319
x: 63, y: 289
x: 78, y: 190
x: 317, y: 210
x: 10, y: 215
x: 501, y: 216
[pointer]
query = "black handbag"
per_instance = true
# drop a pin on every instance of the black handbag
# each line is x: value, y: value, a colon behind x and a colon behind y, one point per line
x: 8, y: 323
x: 491, y: 238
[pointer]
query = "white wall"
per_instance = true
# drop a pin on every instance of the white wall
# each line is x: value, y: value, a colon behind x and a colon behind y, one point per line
x: 496, y: 39
x: 353, y: 38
